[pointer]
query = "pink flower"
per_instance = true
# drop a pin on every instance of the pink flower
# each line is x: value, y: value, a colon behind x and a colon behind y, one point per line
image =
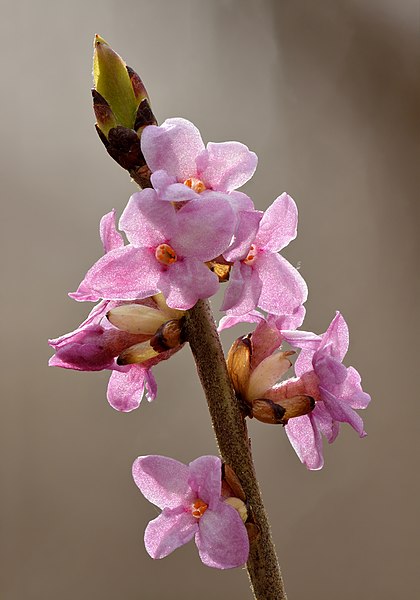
x: 336, y: 389
x: 95, y: 346
x: 167, y: 252
x: 192, y: 507
x: 184, y: 169
x: 260, y: 276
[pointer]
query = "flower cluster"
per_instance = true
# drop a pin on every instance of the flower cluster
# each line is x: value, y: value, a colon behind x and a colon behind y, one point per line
x: 185, y: 235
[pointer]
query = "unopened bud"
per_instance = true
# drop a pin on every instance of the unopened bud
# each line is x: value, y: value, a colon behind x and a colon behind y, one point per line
x: 172, y: 313
x: 266, y: 374
x: 268, y: 411
x: 122, y: 110
x: 297, y: 406
x: 136, y: 354
x: 112, y: 81
x: 239, y: 506
x: 168, y: 336
x: 239, y: 365
x: 136, y: 318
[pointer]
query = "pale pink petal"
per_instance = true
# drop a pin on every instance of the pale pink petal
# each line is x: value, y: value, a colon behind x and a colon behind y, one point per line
x: 147, y: 221
x: 204, y: 229
x: 302, y: 339
x: 329, y: 371
x: 289, y: 322
x: 243, y: 291
x: 283, y: 288
x: 187, y: 281
x: 336, y: 337
x: 86, y: 350
x: 110, y: 237
x: 323, y: 422
x: 163, y: 481
x: 206, y: 479
x: 342, y: 412
x: 94, y: 318
x: 351, y: 391
x: 160, y: 180
x: 240, y: 201
x: 170, y: 530
x: 222, y: 539
x: 122, y: 274
x: 303, y: 363
x: 226, y: 166
x: 278, y: 226
x: 306, y: 441
x: 173, y: 147
x: 230, y: 321
x: 178, y: 192
x: 126, y: 389
x: 246, y: 229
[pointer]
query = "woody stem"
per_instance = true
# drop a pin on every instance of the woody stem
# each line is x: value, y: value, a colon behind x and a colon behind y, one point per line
x: 234, y: 445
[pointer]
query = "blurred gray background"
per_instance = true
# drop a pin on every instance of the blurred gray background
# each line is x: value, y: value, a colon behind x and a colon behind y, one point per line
x: 327, y: 94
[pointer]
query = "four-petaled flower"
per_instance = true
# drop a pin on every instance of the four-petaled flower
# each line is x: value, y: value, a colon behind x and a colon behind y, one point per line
x: 260, y: 276
x: 192, y: 507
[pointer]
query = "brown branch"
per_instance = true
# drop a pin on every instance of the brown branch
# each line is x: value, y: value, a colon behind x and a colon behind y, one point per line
x: 234, y: 445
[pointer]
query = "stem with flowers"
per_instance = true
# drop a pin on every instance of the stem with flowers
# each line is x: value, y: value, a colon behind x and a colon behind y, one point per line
x: 188, y: 231
x: 234, y: 445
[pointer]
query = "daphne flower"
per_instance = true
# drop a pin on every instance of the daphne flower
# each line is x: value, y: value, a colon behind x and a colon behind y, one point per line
x: 260, y: 276
x: 97, y: 345
x: 184, y: 169
x: 192, y: 507
x: 336, y: 389
x: 166, y: 253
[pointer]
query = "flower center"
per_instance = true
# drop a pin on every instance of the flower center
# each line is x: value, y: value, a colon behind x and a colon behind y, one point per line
x: 198, y: 508
x: 165, y: 254
x: 195, y: 184
x: 252, y: 255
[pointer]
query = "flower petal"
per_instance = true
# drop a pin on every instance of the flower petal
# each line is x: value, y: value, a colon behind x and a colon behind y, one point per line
x: 204, y: 228
x: 278, y: 226
x: 230, y: 321
x: 336, y: 337
x: 170, y: 530
x: 126, y: 388
x: 306, y: 441
x: 110, y: 237
x: 122, y: 274
x: 351, y: 391
x: 163, y: 481
x: 226, y: 166
x: 342, y: 412
x: 245, y: 232
x: 222, y: 539
x: 148, y: 221
x: 187, y: 281
x: 283, y: 288
x: 206, y: 479
x: 243, y: 291
x: 173, y: 147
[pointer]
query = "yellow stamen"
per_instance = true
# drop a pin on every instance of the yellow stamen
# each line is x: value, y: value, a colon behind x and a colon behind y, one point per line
x: 252, y: 254
x: 165, y: 254
x: 198, y: 508
x: 195, y: 184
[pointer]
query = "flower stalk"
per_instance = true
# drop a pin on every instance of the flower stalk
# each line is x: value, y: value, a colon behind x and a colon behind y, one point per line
x: 234, y: 445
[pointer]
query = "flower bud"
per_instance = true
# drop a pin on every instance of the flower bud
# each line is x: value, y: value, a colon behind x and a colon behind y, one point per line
x: 136, y: 354
x: 239, y: 365
x: 112, y: 81
x: 239, y: 506
x: 169, y: 336
x: 277, y: 413
x: 266, y: 374
x: 122, y: 110
x: 136, y: 318
x: 268, y: 411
